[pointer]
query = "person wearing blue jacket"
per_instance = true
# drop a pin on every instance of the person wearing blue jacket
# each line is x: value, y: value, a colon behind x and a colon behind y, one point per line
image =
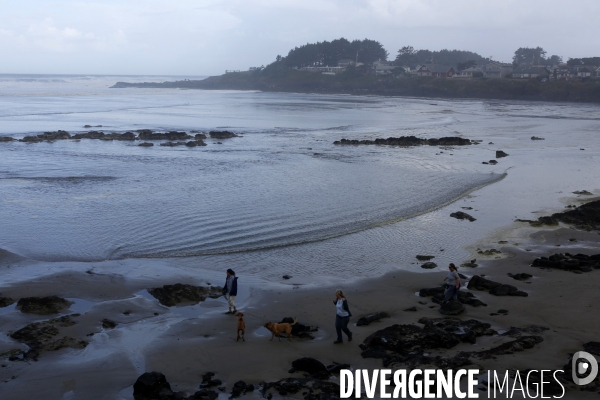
x: 230, y: 290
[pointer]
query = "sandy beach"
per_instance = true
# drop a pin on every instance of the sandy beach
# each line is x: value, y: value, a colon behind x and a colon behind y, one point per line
x: 186, y: 341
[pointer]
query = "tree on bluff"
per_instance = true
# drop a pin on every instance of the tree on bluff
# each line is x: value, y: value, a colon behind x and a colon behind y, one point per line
x: 529, y: 56
x: 408, y: 56
x: 329, y: 53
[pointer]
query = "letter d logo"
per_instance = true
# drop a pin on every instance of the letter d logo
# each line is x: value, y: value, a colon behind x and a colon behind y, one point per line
x: 589, y: 365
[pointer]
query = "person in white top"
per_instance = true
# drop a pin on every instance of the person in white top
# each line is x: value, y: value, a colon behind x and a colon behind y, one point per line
x: 342, y: 316
x: 452, y: 284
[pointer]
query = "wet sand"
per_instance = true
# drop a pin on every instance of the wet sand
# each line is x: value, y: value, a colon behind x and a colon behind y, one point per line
x: 186, y: 342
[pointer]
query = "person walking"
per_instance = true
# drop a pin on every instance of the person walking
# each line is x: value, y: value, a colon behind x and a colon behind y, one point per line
x: 452, y: 284
x: 342, y: 316
x: 230, y: 290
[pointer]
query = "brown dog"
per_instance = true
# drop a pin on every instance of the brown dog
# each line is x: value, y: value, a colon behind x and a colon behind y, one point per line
x: 283, y: 327
x: 241, y: 327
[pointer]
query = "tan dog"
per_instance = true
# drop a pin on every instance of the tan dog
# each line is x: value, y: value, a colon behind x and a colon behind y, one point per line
x: 241, y: 327
x: 283, y: 327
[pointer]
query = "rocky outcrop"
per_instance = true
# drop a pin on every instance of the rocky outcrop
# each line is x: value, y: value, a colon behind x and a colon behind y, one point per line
x: 406, y: 141
x: 146, y: 144
x: 147, y: 134
x: 498, y: 289
x: 429, y: 265
x: 500, y: 154
x: 452, y: 307
x: 6, y: 301
x: 464, y: 297
x: 537, y: 138
x: 199, y: 136
x: 569, y: 262
x: 108, y: 324
x: 154, y: 386
x: 310, y: 366
x: 520, y: 277
x: 462, y: 215
x: 43, y: 305
x: 424, y: 258
x: 171, y: 295
x: 7, y: 139
x: 42, y: 336
x: 585, y: 217
x: 367, y: 319
x: 583, y: 192
x: 222, y: 134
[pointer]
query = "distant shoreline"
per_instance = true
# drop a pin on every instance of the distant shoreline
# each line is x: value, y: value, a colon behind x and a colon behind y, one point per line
x: 306, y: 82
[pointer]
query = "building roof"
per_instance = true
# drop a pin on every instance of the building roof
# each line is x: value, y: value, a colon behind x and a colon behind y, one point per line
x: 437, y: 68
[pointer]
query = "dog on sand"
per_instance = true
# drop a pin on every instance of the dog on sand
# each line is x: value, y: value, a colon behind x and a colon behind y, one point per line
x: 241, y: 327
x: 282, y: 327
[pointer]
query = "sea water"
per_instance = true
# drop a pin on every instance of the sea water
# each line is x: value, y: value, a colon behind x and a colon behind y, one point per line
x: 281, y: 198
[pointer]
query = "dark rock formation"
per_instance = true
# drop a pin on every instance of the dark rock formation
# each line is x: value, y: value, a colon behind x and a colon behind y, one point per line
x: 583, y: 192
x: 199, y: 136
x: 240, y: 388
x: 569, y: 262
x: 585, y: 217
x: 89, y: 135
x: 537, y: 138
x: 452, y: 307
x: 146, y: 144
x: 310, y: 366
x: 429, y: 265
x: 171, y: 295
x: 172, y: 144
x: 41, y: 336
x: 463, y: 296
x: 208, y: 381
x: 151, y: 386
x: 221, y: 134
x: 300, y: 330
x: 7, y: 139
x: 498, y: 289
x: 462, y: 215
x: 6, y: 301
x: 43, y: 305
x: 367, y: 319
x: 520, y: 277
x: 147, y: 134
x: 108, y: 324
x: 405, y: 141
x: 492, y: 162
x: 500, y: 154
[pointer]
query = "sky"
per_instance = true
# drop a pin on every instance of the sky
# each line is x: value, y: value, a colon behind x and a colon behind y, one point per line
x: 206, y: 37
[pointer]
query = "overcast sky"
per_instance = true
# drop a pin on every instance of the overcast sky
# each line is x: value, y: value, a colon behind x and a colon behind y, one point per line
x: 205, y: 37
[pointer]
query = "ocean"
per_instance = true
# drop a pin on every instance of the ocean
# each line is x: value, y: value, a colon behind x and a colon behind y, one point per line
x: 281, y: 198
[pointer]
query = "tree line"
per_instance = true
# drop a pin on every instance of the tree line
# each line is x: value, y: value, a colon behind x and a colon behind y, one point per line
x: 368, y: 51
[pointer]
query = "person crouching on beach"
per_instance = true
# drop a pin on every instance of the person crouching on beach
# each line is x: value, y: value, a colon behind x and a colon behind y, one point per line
x: 342, y: 316
x: 230, y: 290
x: 452, y: 284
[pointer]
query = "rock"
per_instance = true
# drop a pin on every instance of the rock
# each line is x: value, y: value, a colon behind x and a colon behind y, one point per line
x: 498, y: 289
x: 453, y: 307
x: 405, y: 141
x: 412, y: 309
x: 429, y: 265
x: 151, y: 386
x: 489, y: 252
x: 240, y: 388
x: 43, y: 305
x: 366, y: 320
x: 171, y: 295
x: 500, y: 154
x: 208, y: 381
x: 40, y: 336
x: 200, y: 136
x: 537, y: 138
x: 467, y: 208
x: 172, y: 144
x: 286, y: 277
x: 583, y: 192
x: 310, y: 366
x: 502, y: 311
x: 6, y: 301
x: 492, y: 162
x: 146, y: 144
x: 147, y: 134
x: 424, y: 258
x: 205, y: 394
x: 569, y: 262
x: 469, y: 265
x: 300, y: 330
x: 108, y: 324
x: 520, y: 277
x: 462, y: 215
x: 7, y: 139
x: 221, y: 134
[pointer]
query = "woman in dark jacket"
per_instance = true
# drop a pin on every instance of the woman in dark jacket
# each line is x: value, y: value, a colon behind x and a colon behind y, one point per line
x: 342, y: 316
x: 230, y: 289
